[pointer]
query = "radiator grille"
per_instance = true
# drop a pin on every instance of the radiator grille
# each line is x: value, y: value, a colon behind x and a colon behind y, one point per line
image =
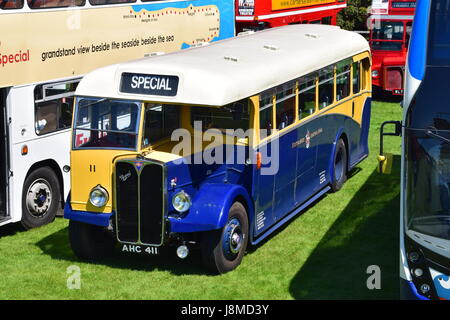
x: 139, y: 202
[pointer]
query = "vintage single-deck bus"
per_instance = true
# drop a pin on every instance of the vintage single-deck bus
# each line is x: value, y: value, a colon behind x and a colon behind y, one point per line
x: 262, y: 14
x: 219, y: 145
x: 425, y: 171
x: 45, y: 47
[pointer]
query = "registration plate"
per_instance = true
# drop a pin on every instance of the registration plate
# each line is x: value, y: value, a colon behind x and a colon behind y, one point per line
x: 140, y: 249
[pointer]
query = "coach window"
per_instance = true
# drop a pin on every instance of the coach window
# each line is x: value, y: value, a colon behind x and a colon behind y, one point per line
x: 11, y: 4
x: 103, y: 2
x: 342, y: 80
x: 45, y: 4
x: 160, y: 121
x: 365, y: 73
x: 307, y: 96
x: 53, y: 106
x: 326, y: 20
x: 232, y: 116
x: 285, y: 104
x: 326, y: 87
x: 265, y: 114
x: 356, y: 78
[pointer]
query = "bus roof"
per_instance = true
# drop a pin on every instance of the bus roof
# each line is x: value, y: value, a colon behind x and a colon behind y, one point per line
x: 232, y: 69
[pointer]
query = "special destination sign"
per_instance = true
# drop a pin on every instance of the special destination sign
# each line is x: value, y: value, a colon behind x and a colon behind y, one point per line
x: 149, y: 84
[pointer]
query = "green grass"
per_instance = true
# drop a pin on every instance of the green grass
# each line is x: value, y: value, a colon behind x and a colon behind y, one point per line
x: 321, y: 254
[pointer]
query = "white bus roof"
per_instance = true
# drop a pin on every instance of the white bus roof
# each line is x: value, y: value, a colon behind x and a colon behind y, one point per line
x: 232, y: 69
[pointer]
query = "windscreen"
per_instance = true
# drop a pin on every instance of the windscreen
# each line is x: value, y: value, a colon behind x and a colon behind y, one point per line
x: 387, y: 35
x: 106, y: 123
x: 439, y: 33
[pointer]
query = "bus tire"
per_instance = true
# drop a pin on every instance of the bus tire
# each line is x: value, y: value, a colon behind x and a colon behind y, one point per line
x: 90, y: 242
x: 223, y: 249
x: 40, y: 198
x: 339, y: 166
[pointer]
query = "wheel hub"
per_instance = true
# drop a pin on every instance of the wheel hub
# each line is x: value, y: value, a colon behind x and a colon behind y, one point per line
x: 39, y: 197
x: 233, y: 238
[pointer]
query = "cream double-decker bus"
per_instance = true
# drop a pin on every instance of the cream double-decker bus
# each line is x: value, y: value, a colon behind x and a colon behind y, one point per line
x: 46, y: 46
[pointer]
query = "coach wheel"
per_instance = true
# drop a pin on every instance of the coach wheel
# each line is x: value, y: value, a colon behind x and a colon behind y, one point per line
x: 224, y: 249
x: 40, y: 198
x: 339, y: 166
x: 90, y: 242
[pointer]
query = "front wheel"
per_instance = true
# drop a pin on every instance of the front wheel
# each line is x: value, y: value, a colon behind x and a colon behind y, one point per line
x: 40, y: 198
x: 223, y: 249
x: 90, y: 242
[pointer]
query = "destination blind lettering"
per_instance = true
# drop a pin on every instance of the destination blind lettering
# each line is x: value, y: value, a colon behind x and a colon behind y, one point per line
x: 149, y: 84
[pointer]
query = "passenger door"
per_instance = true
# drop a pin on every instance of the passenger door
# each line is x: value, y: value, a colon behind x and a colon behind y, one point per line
x: 3, y: 156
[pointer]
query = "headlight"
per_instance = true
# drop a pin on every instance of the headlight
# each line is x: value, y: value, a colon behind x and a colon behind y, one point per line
x: 98, y: 196
x: 181, y: 202
x: 375, y: 73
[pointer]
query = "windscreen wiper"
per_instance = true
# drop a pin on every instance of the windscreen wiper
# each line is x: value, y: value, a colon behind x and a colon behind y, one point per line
x: 435, y: 135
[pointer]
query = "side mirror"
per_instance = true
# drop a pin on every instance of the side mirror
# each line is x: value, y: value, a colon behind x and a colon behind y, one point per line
x: 385, y: 159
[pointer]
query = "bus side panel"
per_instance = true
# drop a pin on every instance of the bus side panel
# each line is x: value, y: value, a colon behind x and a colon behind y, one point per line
x: 365, y: 124
x: 263, y: 191
x: 3, y: 156
x: 285, y: 176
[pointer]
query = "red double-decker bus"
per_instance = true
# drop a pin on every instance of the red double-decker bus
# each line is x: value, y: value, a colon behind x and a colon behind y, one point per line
x: 390, y: 28
x: 261, y: 14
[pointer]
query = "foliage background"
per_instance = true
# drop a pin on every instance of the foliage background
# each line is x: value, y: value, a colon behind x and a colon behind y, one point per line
x: 354, y: 17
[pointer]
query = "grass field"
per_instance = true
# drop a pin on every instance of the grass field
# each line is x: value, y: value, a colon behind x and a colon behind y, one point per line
x: 321, y: 254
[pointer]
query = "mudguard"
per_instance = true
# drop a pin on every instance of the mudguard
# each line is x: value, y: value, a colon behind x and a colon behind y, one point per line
x: 210, y: 208
x: 98, y: 219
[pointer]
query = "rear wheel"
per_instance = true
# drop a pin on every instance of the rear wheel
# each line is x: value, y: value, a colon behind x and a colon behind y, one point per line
x: 339, y: 166
x: 90, y: 242
x: 223, y: 249
x: 40, y: 198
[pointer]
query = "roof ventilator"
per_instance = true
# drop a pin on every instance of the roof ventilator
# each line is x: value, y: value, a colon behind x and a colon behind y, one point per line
x: 270, y: 47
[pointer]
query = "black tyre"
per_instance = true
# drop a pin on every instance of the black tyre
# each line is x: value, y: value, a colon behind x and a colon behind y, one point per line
x: 41, y: 198
x: 223, y: 250
x: 90, y: 242
x: 339, y: 166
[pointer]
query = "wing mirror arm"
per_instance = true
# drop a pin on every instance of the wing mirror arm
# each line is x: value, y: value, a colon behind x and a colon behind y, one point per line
x: 385, y: 159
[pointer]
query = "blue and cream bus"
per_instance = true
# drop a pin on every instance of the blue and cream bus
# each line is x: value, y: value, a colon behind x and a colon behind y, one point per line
x: 425, y: 177
x: 217, y: 146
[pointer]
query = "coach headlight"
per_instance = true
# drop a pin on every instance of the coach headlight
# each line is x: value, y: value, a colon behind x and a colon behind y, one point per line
x: 375, y: 73
x: 181, y: 202
x: 98, y: 196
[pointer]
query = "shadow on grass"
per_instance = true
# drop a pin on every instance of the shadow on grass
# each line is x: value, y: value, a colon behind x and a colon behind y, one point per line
x: 57, y: 246
x: 365, y: 234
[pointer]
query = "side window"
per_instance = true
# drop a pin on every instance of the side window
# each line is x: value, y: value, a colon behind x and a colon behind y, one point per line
x: 326, y: 87
x: 307, y: 96
x: 356, y: 80
x: 160, y: 121
x: 11, y: 4
x: 265, y: 114
x: 44, y: 4
x: 365, y: 73
x: 53, y: 106
x: 232, y: 116
x: 342, y: 81
x: 285, y: 105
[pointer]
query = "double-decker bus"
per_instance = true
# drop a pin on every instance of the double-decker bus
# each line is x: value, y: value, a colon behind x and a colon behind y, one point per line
x: 46, y: 46
x: 425, y: 171
x: 185, y: 151
x: 390, y: 24
x: 261, y: 14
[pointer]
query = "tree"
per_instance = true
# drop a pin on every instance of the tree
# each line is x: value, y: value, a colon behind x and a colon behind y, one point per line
x: 354, y: 17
